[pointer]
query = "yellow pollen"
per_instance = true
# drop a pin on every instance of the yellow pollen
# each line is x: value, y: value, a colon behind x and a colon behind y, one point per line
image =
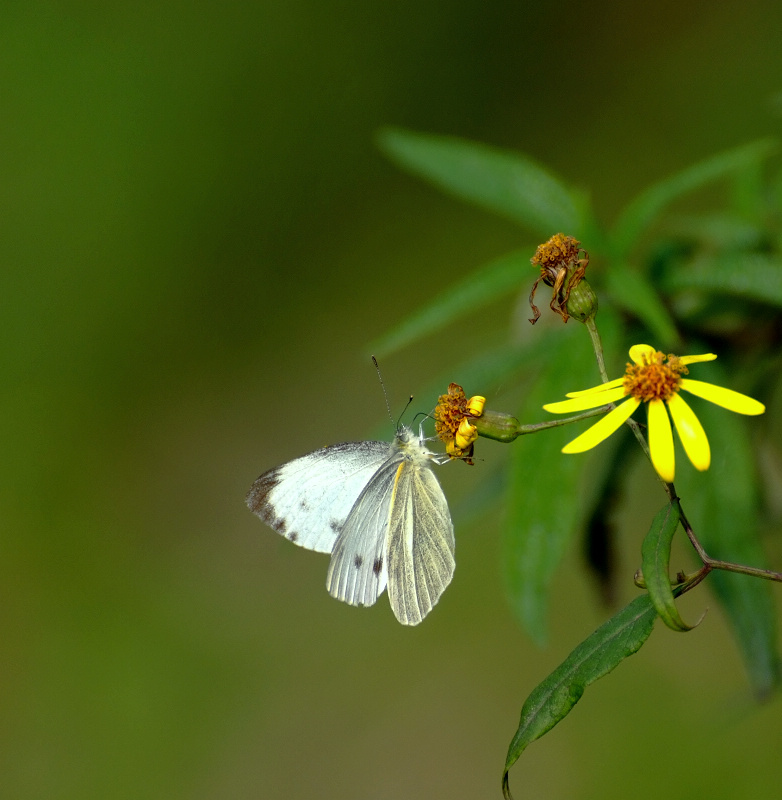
x: 654, y: 379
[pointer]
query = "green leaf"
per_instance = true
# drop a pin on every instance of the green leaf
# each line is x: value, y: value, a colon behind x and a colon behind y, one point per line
x: 749, y: 196
x: 492, y: 367
x: 596, y: 656
x: 632, y: 292
x: 479, y: 375
x: 501, y: 276
x: 715, y: 231
x: 722, y: 507
x: 756, y: 276
x: 647, y: 207
x: 502, y: 181
x: 655, y: 555
x: 545, y: 508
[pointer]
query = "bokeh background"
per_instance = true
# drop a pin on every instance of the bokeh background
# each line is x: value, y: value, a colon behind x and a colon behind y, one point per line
x: 198, y: 238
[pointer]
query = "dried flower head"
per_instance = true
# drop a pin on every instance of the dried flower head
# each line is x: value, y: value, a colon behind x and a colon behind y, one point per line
x: 562, y: 269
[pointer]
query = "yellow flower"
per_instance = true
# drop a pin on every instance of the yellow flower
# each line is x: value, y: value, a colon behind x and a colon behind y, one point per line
x: 651, y: 380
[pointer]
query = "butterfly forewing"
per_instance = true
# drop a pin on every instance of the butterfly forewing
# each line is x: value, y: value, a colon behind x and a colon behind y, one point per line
x: 308, y: 499
x: 420, y: 544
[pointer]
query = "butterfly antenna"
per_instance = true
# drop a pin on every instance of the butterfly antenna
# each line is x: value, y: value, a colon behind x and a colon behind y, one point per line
x: 383, y: 387
x: 385, y: 394
x: 399, y: 421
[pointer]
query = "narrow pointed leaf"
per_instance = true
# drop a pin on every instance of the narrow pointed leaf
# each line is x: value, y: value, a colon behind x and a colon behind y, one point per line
x: 502, y: 181
x: 655, y: 555
x: 501, y: 276
x: 545, y: 508
x: 646, y: 208
x: 596, y: 656
x: 722, y: 507
x: 756, y: 276
x: 633, y: 292
x: 492, y: 367
x: 716, y: 231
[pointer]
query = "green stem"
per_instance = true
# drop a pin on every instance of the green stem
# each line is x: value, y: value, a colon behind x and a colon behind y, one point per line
x: 555, y: 423
x: 504, y: 428
x: 597, y: 346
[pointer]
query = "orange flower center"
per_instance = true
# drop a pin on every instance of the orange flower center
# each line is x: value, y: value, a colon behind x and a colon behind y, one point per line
x: 654, y: 379
x: 450, y: 411
x: 559, y: 252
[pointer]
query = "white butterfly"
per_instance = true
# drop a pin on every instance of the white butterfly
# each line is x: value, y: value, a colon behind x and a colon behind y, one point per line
x: 378, y: 508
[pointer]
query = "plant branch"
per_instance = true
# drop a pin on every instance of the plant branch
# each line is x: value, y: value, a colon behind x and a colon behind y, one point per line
x: 710, y: 563
x: 555, y: 423
x: 505, y: 428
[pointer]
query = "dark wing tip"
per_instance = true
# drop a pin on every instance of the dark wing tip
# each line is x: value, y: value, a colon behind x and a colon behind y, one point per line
x: 258, y: 497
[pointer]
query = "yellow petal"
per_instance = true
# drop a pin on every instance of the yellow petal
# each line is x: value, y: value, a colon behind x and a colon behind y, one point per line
x: 475, y: 405
x: 466, y: 434
x: 661, y: 440
x: 691, y: 432
x: 583, y: 402
x: 695, y: 359
x: 727, y: 398
x: 603, y: 429
x: 601, y: 388
x: 638, y: 351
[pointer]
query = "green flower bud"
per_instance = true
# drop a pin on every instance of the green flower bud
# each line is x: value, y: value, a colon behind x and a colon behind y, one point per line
x: 497, y: 425
x: 582, y: 302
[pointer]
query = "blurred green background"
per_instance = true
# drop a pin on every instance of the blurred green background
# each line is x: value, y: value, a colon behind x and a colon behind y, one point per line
x: 198, y: 236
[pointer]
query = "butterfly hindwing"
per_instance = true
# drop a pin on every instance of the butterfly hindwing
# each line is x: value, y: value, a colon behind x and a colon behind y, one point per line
x: 420, y: 544
x: 308, y: 500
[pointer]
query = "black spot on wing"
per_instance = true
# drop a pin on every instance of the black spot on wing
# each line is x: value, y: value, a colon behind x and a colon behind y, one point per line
x: 358, y: 562
x: 335, y: 525
x: 377, y: 567
x: 293, y: 536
